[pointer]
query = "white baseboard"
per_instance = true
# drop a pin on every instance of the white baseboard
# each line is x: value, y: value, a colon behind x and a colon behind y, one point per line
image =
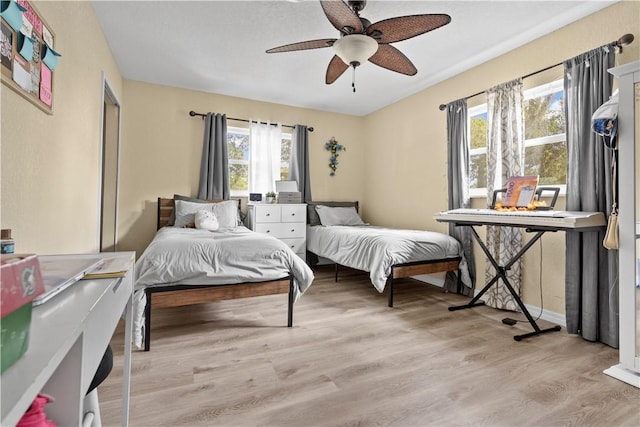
x: 549, y: 316
x: 621, y: 373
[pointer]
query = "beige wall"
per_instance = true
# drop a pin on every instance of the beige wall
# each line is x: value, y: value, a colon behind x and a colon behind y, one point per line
x: 162, y: 146
x: 50, y: 163
x: 405, y: 163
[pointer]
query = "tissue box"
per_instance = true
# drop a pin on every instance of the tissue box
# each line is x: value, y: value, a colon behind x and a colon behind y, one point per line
x: 20, y: 282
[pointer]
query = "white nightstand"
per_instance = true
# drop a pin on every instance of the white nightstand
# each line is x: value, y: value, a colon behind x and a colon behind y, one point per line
x: 287, y: 222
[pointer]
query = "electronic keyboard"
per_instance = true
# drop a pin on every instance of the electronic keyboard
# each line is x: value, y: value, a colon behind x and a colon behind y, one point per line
x: 542, y: 218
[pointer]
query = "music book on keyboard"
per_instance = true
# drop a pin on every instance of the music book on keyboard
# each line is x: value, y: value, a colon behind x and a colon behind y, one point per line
x: 560, y: 219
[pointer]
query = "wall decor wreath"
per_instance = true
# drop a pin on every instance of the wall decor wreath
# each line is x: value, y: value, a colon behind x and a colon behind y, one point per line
x: 335, y: 147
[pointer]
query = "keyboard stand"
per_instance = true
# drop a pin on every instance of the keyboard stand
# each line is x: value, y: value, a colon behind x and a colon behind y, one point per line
x: 532, y: 224
x: 502, y: 274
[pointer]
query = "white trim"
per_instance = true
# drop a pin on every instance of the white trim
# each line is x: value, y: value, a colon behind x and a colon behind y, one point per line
x: 547, y: 315
x: 544, y: 89
x: 619, y: 372
x: 106, y: 87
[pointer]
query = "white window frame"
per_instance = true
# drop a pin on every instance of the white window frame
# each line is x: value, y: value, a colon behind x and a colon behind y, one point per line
x: 535, y: 92
x: 245, y: 131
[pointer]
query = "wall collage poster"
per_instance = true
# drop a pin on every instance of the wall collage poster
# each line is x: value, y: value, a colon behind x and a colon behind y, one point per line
x: 27, y: 54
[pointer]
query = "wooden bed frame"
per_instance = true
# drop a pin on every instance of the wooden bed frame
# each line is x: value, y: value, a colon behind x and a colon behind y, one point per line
x: 181, y: 295
x: 404, y: 270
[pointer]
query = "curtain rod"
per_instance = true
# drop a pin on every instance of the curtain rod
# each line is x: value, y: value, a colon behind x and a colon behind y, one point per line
x: 622, y: 41
x: 193, y: 114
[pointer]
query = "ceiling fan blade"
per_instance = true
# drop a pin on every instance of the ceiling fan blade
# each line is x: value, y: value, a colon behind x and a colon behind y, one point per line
x: 404, y: 27
x: 341, y: 16
x: 392, y: 59
x: 311, y: 44
x: 335, y: 69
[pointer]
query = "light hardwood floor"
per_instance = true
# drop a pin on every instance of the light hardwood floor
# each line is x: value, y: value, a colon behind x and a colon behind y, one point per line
x: 350, y: 360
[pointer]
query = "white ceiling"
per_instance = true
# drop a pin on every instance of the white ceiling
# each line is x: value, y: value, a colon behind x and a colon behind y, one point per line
x: 219, y: 46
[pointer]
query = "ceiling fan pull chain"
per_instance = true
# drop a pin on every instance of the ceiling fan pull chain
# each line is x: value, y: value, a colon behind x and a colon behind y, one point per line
x: 353, y: 79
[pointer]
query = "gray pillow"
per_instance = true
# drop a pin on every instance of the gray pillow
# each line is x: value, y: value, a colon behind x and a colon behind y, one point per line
x: 312, y: 215
x: 338, y: 215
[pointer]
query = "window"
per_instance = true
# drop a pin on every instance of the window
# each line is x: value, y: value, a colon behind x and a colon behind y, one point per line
x: 545, y: 152
x: 238, y: 152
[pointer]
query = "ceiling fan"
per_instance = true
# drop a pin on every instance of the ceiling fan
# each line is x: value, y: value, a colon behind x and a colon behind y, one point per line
x: 360, y: 40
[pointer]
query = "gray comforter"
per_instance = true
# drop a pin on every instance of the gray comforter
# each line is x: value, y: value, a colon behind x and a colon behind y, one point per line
x: 187, y: 256
x: 376, y: 249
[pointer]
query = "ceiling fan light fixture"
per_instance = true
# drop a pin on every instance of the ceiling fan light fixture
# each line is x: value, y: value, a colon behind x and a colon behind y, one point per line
x: 355, y: 49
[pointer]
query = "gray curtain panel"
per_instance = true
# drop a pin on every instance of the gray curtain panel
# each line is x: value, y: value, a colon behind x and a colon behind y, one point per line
x: 299, y: 161
x: 591, y: 285
x: 458, y: 174
x: 214, y: 166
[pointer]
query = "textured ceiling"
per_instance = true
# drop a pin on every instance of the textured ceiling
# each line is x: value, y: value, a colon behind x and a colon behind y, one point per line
x: 219, y: 46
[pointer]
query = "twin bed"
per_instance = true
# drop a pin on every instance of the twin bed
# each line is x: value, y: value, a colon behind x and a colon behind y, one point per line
x: 184, y: 265
x: 336, y: 232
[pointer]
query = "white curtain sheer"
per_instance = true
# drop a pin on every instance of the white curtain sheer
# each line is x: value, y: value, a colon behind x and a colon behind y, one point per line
x: 505, y: 149
x: 264, y: 156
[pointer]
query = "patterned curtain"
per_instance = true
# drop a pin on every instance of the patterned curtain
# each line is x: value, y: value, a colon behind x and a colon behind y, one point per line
x: 505, y: 158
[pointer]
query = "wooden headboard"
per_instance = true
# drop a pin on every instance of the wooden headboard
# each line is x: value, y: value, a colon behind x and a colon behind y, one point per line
x: 165, y: 210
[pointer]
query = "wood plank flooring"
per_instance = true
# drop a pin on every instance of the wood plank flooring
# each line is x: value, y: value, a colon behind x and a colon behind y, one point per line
x: 350, y: 360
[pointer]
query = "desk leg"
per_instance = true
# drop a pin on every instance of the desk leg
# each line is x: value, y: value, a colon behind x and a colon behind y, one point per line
x: 502, y: 274
x: 126, y: 377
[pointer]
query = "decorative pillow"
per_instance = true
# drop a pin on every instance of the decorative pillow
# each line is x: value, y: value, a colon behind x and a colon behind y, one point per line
x: 312, y: 215
x: 185, y: 212
x: 338, y: 215
x: 172, y: 217
x: 206, y: 220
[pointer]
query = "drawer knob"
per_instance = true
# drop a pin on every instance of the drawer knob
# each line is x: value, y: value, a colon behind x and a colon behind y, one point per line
x: 292, y: 230
x: 268, y: 214
x: 268, y: 231
x: 293, y: 214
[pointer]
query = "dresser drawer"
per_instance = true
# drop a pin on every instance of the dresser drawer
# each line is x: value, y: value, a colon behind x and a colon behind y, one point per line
x: 297, y: 245
x: 283, y: 230
x: 267, y: 213
x: 294, y: 213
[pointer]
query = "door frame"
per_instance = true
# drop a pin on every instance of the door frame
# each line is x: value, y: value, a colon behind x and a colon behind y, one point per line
x: 107, y: 92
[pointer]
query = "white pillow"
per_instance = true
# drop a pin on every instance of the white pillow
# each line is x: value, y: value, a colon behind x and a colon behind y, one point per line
x: 206, y: 220
x: 225, y: 212
x: 338, y: 215
x: 185, y: 212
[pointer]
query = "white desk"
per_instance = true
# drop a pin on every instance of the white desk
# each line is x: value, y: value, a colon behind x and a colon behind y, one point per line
x: 537, y: 222
x: 68, y: 337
